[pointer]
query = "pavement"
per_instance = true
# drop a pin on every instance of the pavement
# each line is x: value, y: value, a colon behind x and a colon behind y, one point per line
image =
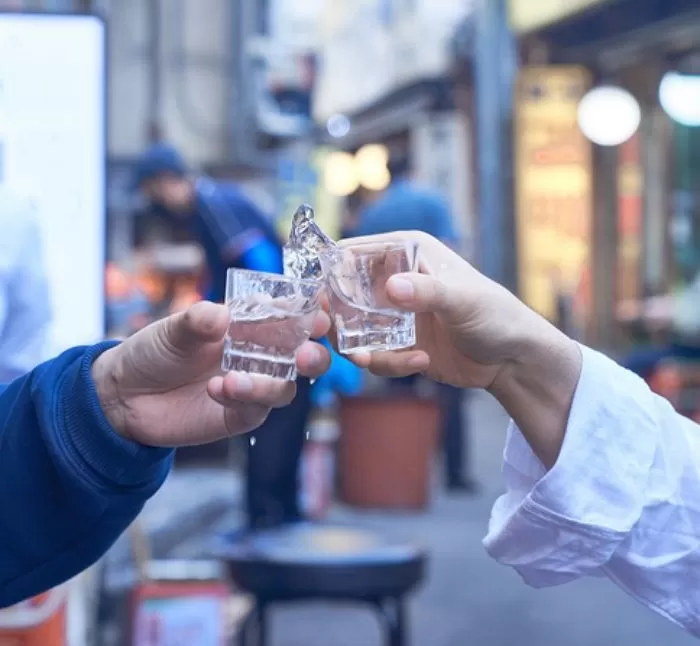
x: 468, y: 598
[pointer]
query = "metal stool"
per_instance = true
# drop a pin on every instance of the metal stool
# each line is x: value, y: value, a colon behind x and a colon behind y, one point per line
x: 310, y: 562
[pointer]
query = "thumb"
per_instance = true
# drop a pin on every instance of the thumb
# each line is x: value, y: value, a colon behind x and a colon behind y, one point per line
x: 421, y: 293
x: 200, y: 324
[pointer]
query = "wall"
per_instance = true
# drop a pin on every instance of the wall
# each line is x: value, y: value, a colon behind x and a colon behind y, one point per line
x: 194, y: 84
x: 370, y: 47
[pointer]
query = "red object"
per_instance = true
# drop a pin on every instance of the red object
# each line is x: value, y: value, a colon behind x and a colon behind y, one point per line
x: 667, y: 381
x: 386, y: 450
x: 41, y: 621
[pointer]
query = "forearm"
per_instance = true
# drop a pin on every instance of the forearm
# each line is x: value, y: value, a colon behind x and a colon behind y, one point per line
x: 70, y: 484
x: 618, y: 501
x: 536, y: 387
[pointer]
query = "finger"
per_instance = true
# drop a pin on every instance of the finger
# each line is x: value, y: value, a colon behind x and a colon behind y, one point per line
x: 240, y: 388
x: 313, y: 360
x: 398, y: 364
x: 322, y: 324
x: 419, y: 293
x: 200, y: 324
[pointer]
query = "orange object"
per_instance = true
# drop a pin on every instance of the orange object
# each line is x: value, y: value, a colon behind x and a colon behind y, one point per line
x: 386, y: 450
x: 118, y: 283
x: 41, y: 621
x: 667, y: 381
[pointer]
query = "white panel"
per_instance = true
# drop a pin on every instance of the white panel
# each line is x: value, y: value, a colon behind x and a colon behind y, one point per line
x: 52, y: 127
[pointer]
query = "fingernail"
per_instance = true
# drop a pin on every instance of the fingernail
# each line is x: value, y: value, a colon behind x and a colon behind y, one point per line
x: 402, y: 289
x: 244, y: 384
x: 416, y: 362
x: 314, y: 354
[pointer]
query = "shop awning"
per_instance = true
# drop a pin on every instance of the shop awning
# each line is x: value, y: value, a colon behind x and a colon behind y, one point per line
x: 395, y: 112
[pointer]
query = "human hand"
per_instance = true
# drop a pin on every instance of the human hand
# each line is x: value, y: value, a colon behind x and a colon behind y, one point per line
x: 467, y: 326
x: 163, y: 386
x: 473, y: 333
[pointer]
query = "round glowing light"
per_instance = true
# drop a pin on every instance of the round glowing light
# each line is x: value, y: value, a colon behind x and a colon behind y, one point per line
x: 609, y: 115
x: 679, y: 96
x: 378, y: 180
x: 340, y: 174
x: 371, y: 161
x: 338, y: 126
x: 372, y: 155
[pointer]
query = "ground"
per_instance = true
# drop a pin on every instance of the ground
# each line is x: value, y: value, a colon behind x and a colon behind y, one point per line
x: 468, y: 598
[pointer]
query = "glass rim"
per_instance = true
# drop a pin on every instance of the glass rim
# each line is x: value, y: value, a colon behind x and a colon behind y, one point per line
x: 267, y: 275
x: 382, y: 245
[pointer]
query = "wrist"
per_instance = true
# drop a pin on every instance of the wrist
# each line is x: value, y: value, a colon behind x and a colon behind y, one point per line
x: 105, y: 375
x: 537, y: 384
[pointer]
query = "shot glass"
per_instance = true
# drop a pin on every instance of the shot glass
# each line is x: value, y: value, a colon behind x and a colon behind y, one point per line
x: 270, y: 317
x: 356, y: 277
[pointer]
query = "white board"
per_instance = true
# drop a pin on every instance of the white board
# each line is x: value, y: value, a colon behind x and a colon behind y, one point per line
x: 53, y: 147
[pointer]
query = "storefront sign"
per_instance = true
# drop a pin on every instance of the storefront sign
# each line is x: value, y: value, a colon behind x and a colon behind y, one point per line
x: 553, y: 190
x: 629, y: 221
x: 530, y: 15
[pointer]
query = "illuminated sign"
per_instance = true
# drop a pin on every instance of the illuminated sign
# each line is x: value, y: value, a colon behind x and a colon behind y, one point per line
x: 530, y: 15
x: 553, y: 189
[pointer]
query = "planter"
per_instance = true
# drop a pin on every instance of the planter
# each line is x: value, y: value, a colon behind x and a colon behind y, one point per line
x: 386, y: 450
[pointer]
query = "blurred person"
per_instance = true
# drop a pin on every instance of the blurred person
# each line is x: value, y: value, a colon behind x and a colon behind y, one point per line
x: 406, y: 206
x: 234, y: 233
x: 25, y: 299
x: 602, y: 475
x: 87, y: 437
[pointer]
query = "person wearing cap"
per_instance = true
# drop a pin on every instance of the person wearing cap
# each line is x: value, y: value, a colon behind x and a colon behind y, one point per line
x: 233, y: 232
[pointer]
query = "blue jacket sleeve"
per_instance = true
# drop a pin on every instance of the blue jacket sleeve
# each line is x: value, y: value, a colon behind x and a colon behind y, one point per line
x: 263, y: 256
x: 69, y: 485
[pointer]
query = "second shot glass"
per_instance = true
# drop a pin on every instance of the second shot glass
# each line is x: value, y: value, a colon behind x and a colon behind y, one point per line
x: 270, y: 317
x: 356, y: 276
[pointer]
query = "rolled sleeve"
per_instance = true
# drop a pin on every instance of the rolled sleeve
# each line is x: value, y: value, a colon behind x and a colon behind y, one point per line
x: 622, y: 500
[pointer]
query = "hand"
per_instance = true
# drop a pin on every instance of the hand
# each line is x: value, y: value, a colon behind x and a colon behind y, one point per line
x: 473, y: 333
x: 467, y: 326
x: 164, y: 387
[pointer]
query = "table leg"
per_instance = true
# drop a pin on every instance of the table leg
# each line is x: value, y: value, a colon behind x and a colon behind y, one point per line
x: 254, y: 631
x: 393, y: 612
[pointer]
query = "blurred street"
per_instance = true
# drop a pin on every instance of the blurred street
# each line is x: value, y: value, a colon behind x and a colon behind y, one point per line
x: 468, y: 598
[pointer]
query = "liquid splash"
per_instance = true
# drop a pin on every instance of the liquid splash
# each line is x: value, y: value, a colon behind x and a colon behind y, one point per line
x: 306, y: 241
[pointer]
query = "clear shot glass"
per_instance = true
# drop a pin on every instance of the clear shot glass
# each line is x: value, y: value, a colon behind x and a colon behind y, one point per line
x: 356, y: 276
x: 270, y: 317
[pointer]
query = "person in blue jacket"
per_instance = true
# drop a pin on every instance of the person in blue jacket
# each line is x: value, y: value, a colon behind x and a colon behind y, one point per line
x: 85, y: 438
x: 234, y: 233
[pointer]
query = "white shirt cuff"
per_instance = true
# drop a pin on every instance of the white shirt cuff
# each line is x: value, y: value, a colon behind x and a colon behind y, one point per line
x: 555, y: 526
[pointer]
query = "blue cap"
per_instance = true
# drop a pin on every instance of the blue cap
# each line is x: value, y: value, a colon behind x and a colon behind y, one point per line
x: 158, y: 160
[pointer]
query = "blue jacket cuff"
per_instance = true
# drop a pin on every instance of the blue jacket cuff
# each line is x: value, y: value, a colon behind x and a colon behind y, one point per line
x: 106, y: 457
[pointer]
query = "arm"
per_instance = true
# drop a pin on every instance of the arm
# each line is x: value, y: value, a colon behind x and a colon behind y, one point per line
x: 70, y: 484
x: 602, y: 479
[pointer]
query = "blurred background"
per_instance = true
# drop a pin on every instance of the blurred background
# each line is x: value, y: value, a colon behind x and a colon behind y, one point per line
x: 558, y: 142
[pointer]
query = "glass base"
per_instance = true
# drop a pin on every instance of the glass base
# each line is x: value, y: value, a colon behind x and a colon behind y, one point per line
x: 277, y: 367
x: 376, y: 340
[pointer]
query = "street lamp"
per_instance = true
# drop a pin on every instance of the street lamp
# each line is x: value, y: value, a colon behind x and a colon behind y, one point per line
x: 679, y: 96
x: 609, y: 115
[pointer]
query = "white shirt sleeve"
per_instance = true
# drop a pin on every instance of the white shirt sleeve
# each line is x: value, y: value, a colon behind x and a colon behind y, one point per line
x: 622, y: 501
